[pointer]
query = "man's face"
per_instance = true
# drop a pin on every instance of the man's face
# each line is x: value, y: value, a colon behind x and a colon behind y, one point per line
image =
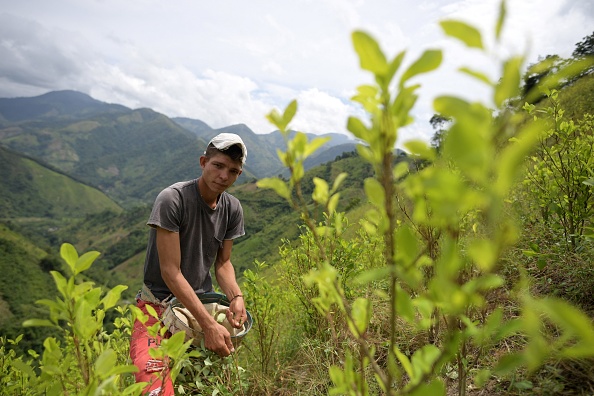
x: 219, y: 172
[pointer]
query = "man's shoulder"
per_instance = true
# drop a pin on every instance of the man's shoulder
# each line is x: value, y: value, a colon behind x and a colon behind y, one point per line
x: 231, y: 199
x: 180, y: 186
x: 183, y: 185
x: 176, y: 191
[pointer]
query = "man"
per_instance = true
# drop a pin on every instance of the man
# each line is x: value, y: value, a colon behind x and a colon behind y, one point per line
x: 193, y: 225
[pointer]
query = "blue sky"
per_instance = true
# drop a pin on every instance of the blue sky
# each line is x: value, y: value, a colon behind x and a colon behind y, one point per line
x: 230, y: 62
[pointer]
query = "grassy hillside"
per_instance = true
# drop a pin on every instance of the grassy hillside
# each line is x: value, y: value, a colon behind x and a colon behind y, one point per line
x: 268, y: 218
x: 31, y: 190
x: 120, y: 238
x: 578, y: 98
x: 128, y: 156
x: 25, y: 279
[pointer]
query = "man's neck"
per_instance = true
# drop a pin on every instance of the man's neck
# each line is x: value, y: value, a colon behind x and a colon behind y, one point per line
x: 208, y: 197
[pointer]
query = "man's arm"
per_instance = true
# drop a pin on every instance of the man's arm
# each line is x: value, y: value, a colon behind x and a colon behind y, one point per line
x: 225, y: 274
x: 216, y: 337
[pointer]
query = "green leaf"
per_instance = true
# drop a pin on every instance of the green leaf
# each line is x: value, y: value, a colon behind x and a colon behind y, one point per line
x: 404, y: 305
x: 38, y: 323
x: 467, y: 142
x: 105, y: 363
x: 61, y: 283
x: 56, y: 306
x: 402, y: 105
x: 574, y: 321
x: 281, y: 121
x: 360, y: 315
x: 298, y: 145
x: 481, y: 377
x: 151, y: 311
x: 423, y: 360
x: 130, y: 368
x: 275, y: 119
x: 312, y: 146
x: 85, y: 261
x: 371, y: 57
x: 509, y: 85
x: 514, y: 155
x: 484, y: 282
x: 420, y: 148
x: 333, y: 203
x: 509, y: 363
x: 500, y: 19
x: 395, y: 65
x: 113, y: 296
x: 404, y: 361
x: 289, y: 113
x: 368, y: 96
x: 357, y: 128
x: 276, y: 184
x: 476, y: 74
x: 469, y: 35
x: 24, y: 368
x: 85, y: 324
x: 69, y: 254
x: 338, y: 181
x: 433, y: 388
x: 338, y: 379
x: 484, y: 254
x: 529, y: 253
x: 407, y: 245
x: 321, y: 191
x: 374, y: 191
x: 523, y: 385
x: 400, y: 170
x: 373, y: 275
x: 428, y: 61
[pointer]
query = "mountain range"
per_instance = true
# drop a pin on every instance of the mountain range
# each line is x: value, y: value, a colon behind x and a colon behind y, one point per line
x: 129, y: 154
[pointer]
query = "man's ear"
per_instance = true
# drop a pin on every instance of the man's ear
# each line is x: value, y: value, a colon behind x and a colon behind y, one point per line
x: 203, y: 161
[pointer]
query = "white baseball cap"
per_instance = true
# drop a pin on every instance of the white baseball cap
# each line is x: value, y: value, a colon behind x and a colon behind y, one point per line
x: 225, y: 140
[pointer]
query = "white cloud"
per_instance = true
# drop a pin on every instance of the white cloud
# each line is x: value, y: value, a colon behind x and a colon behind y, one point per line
x: 232, y: 62
x: 319, y: 112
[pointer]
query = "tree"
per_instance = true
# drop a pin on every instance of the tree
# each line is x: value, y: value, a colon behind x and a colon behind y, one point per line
x: 584, y: 47
x: 440, y: 125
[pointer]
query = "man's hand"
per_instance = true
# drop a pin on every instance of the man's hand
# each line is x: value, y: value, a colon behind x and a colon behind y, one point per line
x: 236, y: 314
x: 218, y: 340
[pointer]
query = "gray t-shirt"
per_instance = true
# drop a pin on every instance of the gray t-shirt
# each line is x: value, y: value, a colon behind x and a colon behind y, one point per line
x: 202, y: 230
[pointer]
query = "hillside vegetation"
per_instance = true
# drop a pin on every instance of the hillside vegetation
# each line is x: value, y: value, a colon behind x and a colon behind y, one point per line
x: 31, y: 190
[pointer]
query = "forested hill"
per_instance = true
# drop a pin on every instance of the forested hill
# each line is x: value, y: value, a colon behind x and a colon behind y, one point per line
x: 127, y: 154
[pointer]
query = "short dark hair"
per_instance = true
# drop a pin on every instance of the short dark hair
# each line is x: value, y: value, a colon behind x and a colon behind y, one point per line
x: 234, y: 152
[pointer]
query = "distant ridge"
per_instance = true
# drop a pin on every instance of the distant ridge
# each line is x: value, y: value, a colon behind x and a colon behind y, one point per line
x: 131, y: 154
x: 57, y: 104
